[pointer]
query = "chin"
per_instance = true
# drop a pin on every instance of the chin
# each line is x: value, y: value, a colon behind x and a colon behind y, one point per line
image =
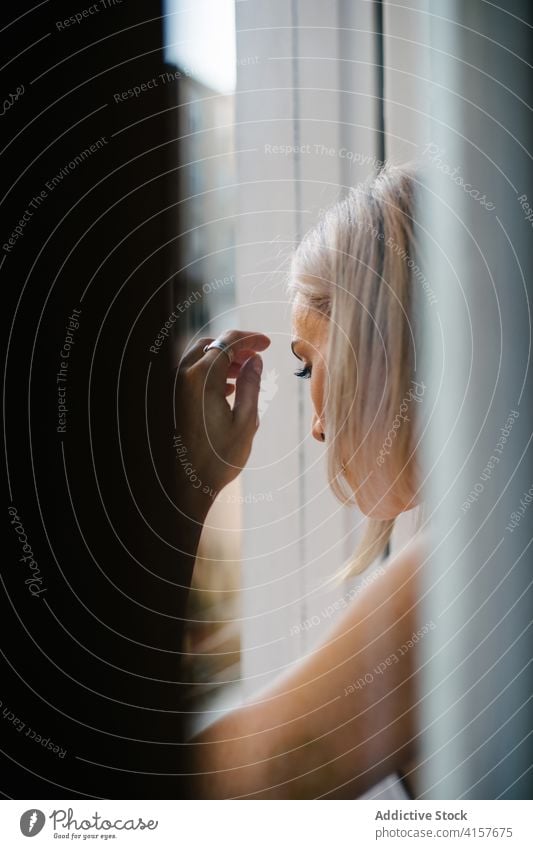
x: 379, y: 512
x: 385, y: 509
x: 377, y: 501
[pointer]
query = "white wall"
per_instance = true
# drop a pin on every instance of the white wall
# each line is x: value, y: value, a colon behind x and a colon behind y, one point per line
x: 477, y: 707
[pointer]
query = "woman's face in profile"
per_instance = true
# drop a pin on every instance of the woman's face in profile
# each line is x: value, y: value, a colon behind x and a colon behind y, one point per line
x: 309, y: 344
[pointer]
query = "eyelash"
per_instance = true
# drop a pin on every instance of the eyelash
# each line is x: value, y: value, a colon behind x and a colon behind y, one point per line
x: 305, y: 372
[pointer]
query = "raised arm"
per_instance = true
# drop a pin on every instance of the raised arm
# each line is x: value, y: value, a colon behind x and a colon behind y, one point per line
x: 213, y: 441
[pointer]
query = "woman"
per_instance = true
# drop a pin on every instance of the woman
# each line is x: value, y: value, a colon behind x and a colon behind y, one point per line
x: 333, y: 725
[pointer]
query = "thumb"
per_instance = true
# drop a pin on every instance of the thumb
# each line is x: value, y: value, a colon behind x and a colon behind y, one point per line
x: 247, y: 388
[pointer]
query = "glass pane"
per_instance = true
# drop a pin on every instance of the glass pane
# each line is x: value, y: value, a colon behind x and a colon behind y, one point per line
x: 200, y: 48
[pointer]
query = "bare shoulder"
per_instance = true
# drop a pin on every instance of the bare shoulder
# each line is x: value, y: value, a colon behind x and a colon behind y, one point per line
x: 412, y: 558
x: 396, y: 592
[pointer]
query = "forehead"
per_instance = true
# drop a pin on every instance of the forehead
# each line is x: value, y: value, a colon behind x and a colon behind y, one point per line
x: 308, y: 324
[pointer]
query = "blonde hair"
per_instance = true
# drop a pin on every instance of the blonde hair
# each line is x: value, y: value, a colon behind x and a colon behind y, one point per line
x: 356, y: 267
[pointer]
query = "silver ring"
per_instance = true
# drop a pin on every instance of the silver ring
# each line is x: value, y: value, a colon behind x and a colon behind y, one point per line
x: 221, y: 346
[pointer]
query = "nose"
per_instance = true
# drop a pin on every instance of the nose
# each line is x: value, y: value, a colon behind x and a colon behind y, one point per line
x: 317, y: 429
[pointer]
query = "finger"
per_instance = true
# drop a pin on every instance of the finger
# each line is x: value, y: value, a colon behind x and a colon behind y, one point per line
x: 194, y: 352
x: 239, y: 359
x: 218, y: 362
x: 247, y: 394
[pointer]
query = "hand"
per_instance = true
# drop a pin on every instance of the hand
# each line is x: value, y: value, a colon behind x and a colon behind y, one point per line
x: 213, y: 441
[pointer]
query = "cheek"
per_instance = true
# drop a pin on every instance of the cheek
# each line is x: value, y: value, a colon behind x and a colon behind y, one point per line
x: 318, y: 383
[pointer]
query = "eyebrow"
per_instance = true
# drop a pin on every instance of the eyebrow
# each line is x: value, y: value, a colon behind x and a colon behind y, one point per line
x: 293, y: 343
